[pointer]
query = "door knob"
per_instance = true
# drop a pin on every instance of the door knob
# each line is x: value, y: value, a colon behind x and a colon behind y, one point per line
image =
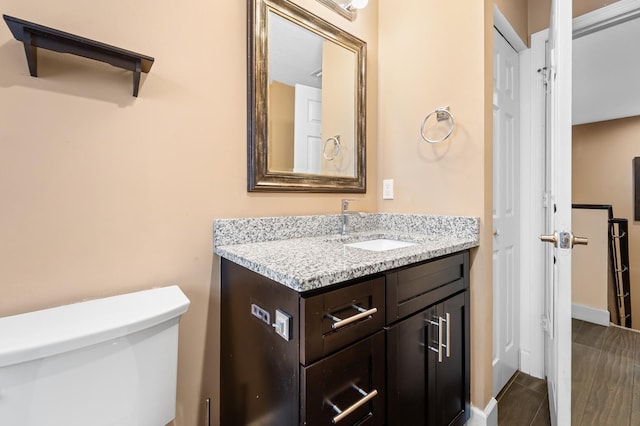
x: 564, y: 239
x: 550, y: 238
x: 579, y: 241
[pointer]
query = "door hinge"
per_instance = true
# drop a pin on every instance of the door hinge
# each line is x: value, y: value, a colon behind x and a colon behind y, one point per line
x: 545, y: 200
x: 545, y: 72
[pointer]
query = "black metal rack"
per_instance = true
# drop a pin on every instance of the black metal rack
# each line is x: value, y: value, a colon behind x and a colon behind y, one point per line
x: 619, y: 264
x: 619, y: 243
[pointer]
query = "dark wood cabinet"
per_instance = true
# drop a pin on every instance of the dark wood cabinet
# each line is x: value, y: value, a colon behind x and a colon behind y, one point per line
x: 391, y: 348
x: 259, y: 372
x: 331, y: 363
x: 428, y: 355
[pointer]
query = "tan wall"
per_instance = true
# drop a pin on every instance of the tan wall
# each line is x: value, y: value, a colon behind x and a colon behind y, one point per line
x: 453, y: 177
x: 103, y: 193
x: 590, y: 263
x: 539, y: 11
x: 338, y: 108
x: 602, y: 174
x: 281, y: 113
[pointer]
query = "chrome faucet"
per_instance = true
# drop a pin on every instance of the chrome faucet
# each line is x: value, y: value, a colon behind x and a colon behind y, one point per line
x: 345, y: 216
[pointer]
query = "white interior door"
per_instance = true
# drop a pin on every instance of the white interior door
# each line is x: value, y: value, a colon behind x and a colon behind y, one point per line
x: 557, y: 310
x: 307, y: 129
x: 506, y: 293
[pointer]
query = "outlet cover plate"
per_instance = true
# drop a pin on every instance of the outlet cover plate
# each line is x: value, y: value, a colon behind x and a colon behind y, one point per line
x: 387, y: 189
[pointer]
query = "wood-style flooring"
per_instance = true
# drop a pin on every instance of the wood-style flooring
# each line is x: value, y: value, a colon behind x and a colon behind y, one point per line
x: 605, y: 382
x: 605, y: 375
x: 524, y: 402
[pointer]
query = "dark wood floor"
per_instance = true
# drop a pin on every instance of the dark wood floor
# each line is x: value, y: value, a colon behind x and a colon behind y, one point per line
x: 605, y: 382
x: 523, y: 402
x: 605, y: 375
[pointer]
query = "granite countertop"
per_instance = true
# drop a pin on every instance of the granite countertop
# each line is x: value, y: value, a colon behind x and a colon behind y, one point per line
x: 308, y: 252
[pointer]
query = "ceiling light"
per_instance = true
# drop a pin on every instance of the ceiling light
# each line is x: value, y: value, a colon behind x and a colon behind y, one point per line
x: 346, y: 8
x: 357, y: 4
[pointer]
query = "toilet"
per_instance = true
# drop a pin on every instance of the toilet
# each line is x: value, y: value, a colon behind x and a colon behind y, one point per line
x: 103, y: 362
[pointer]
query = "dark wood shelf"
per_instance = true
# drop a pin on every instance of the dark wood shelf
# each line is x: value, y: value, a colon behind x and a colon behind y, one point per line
x: 34, y: 36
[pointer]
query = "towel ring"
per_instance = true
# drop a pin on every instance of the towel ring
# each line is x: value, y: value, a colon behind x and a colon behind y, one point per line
x: 441, y: 115
x: 336, y: 148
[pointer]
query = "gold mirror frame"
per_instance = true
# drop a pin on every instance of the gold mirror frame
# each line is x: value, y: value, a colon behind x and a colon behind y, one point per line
x: 260, y: 179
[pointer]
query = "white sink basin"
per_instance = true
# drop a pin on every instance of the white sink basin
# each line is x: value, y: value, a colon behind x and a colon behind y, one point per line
x: 381, y: 244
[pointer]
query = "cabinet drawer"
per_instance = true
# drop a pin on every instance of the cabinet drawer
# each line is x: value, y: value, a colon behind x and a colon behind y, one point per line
x: 347, y: 387
x: 335, y: 319
x: 411, y: 289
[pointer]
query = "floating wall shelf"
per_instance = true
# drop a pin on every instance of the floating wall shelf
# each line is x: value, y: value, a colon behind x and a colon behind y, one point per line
x: 34, y: 35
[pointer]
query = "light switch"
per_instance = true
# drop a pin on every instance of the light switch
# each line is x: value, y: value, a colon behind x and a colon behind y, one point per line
x: 283, y: 324
x: 387, y: 189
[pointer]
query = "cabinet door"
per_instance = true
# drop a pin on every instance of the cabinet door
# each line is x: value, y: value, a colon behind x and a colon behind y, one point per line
x: 406, y: 372
x: 448, y: 369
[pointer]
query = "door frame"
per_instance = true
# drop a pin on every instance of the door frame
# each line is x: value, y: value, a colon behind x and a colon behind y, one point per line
x: 532, y: 169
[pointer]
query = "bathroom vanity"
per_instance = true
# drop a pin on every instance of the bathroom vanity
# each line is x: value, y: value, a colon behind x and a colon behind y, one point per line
x: 317, y: 332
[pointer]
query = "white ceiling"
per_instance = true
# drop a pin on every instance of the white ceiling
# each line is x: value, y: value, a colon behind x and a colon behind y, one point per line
x: 295, y: 53
x: 606, y: 74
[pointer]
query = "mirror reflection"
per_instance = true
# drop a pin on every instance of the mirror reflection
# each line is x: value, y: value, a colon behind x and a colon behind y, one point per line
x: 307, y: 102
x: 311, y: 126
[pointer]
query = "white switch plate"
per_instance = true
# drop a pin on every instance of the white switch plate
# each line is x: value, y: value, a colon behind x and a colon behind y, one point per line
x: 283, y: 324
x: 387, y: 189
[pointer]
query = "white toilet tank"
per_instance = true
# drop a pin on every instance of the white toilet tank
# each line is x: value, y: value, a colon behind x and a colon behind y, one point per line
x: 110, y: 361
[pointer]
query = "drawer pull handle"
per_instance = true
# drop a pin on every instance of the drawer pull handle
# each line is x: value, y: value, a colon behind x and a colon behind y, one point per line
x: 366, y: 397
x: 342, y: 322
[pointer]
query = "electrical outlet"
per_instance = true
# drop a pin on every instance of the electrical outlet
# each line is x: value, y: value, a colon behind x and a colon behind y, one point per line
x: 387, y: 189
x: 260, y: 313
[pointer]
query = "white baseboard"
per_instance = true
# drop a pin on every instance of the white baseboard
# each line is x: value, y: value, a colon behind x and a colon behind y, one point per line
x: 488, y: 417
x: 525, y: 361
x: 529, y: 366
x: 589, y: 314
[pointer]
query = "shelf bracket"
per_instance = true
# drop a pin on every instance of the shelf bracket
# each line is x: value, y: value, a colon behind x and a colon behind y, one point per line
x: 35, y: 35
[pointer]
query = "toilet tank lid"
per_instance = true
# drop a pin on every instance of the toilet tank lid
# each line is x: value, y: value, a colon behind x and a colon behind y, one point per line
x: 33, y: 335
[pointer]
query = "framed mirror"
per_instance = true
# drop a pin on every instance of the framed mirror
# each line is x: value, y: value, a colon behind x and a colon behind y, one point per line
x: 306, y: 100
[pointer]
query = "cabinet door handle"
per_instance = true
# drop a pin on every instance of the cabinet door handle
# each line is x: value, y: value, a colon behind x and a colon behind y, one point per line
x: 448, y: 334
x: 342, y: 322
x: 342, y: 414
x: 440, y: 320
x: 438, y: 348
